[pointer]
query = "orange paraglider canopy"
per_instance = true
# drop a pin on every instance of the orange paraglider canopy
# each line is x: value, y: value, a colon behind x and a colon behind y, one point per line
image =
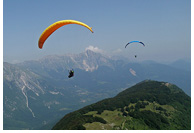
x: 49, y: 30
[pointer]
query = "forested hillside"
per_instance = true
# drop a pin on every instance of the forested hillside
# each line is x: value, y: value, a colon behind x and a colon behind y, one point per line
x: 147, y: 105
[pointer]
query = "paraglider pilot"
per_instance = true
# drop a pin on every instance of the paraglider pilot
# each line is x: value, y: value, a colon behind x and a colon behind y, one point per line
x: 71, y: 73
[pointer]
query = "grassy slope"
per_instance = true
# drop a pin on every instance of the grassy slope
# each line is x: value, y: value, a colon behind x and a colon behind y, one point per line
x: 116, y: 120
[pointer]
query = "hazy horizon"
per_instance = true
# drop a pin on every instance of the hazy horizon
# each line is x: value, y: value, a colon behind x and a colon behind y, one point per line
x: 130, y: 58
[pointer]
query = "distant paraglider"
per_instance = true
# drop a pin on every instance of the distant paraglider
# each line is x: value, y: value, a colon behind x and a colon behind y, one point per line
x: 71, y: 73
x: 49, y: 30
x: 134, y: 42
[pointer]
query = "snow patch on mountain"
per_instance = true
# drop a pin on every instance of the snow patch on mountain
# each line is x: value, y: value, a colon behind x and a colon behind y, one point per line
x: 87, y: 67
x: 54, y: 93
x: 132, y: 72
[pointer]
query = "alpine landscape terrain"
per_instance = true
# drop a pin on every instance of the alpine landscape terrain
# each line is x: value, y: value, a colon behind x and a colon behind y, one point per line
x: 38, y: 93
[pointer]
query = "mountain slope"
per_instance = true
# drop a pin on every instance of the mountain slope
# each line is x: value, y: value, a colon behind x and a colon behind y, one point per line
x: 147, y: 105
x: 26, y: 98
x: 30, y: 98
x: 182, y: 64
x: 38, y: 93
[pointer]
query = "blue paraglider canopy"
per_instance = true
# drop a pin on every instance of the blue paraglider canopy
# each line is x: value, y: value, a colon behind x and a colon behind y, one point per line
x: 135, y: 42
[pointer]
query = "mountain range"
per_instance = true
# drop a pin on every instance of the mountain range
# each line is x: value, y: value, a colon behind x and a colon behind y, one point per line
x: 38, y: 93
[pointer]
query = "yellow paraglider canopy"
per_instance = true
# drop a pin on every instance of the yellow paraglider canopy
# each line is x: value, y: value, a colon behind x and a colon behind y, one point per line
x: 49, y: 30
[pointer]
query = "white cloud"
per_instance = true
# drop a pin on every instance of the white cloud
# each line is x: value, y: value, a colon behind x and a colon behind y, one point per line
x: 117, y: 51
x: 94, y: 49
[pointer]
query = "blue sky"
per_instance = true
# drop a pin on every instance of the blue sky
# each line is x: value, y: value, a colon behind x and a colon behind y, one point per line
x: 163, y: 25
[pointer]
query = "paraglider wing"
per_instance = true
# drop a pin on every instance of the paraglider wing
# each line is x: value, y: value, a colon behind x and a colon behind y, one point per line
x: 142, y: 43
x: 126, y: 45
x: 49, y: 30
x: 133, y: 42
